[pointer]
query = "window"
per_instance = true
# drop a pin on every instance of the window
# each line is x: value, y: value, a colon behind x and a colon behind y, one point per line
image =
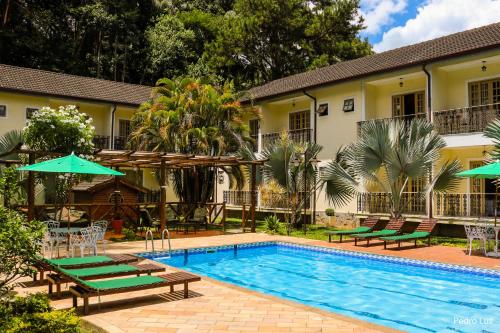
x: 323, y: 109
x: 484, y: 92
x: 348, y: 105
x: 124, y: 128
x: 408, y: 104
x: 299, y: 120
x: 3, y: 111
x: 254, y: 132
x: 29, y: 112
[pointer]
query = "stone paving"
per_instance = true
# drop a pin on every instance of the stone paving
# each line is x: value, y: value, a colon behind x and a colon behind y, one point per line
x: 214, y: 306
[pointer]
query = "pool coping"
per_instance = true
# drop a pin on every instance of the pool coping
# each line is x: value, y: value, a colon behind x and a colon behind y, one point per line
x: 467, y: 269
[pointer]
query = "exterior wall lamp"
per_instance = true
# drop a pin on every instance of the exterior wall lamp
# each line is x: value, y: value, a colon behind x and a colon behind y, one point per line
x: 483, y: 68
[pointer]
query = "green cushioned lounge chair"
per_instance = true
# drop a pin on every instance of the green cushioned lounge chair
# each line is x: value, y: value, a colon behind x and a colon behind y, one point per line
x: 101, y: 272
x: 391, y: 229
x: 87, y: 289
x: 45, y: 265
x: 366, y: 226
x: 423, y: 231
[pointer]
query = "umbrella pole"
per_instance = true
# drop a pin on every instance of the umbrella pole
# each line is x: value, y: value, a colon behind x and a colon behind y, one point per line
x: 70, y: 187
x: 496, y: 201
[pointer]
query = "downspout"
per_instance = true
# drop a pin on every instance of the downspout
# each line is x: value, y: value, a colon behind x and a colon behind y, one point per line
x: 315, y: 138
x: 112, y: 138
x: 429, y: 118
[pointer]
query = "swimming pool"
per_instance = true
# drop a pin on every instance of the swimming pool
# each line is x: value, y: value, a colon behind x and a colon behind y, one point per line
x: 405, y: 294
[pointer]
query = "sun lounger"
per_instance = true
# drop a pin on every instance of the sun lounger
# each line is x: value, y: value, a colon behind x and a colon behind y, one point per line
x: 366, y: 226
x: 45, y: 265
x: 101, y: 272
x: 423, y: 230
x: 392, y: 228
x: 87, y: 289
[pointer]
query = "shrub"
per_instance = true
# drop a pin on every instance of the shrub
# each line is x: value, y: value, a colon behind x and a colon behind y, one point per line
x: 19, y: 247
x: 330, y: 212
x: 34, y: 314
x: 272, y: 223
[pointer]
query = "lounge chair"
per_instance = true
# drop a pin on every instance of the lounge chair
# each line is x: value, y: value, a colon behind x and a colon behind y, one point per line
x: 87, y: 289
x: 101, y: 272
x: 366, y: 226
x: 391, y: 229
x: 423, y: 230
x: 44, y: 265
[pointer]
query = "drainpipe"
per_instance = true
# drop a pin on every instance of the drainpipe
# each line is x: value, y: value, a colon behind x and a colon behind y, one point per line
x: 112, y: 138
x: 315, y: 138
x: 429, y: 118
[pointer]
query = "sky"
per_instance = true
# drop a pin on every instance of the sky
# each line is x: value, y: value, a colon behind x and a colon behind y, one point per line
x: 394, y: 23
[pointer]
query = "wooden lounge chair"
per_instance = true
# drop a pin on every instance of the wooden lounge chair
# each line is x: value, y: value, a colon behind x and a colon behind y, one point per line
x: 366, y: 226
x: 391, y: 229
x: 87, y: 289
x: 45, y: 265
x: 94, y: 273
x: 423, y: 230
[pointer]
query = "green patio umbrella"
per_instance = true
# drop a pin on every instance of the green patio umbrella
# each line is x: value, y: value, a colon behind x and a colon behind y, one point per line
x: 71, y: 164
x: 488, y: 171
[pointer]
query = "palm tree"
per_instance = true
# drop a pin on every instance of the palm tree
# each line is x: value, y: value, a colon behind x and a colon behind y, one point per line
x: 190, y: 117
x: 492, y: 131
x: 12, y: 184
x: 292, y: 167
x: 387, y: 155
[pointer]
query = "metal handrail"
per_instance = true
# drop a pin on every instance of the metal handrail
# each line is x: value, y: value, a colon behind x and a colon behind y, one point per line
x: 168, y: 238
x: 149, y: 232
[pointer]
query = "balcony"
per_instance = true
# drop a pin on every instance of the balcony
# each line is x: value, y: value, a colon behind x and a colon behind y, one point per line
x: 406, y: 119
x: 238, y: 198
x: 101, y: 141
x: 297, y: 136
x: 470, y: 119
x: 445, y: 204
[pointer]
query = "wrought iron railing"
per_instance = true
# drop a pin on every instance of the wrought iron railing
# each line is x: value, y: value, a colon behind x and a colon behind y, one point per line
x: 465, y: 120
x: 238, y: 198
x: 269, y: 200
x: 101, y: 141
x: 380, y: 203
x: 299, y: 136
x: 465, y: 204
x: 150, y: 196
x: 406, y: 119
x: 119, y: 142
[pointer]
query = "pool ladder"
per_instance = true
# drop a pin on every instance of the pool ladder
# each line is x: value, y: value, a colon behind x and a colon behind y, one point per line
x: 165, y: 231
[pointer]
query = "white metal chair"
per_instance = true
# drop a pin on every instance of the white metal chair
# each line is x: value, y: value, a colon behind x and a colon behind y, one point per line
x: 477, y: 232
x: 101, y: 232
x: 87, y: 239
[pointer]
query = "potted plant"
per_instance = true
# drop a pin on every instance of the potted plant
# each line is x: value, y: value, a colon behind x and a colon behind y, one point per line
x: 330, y: 212
x: 117, y: 225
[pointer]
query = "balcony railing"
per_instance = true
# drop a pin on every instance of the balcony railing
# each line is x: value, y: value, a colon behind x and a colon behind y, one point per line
x: 120, y: 142
x: 298, y: 136
x: 101, y: 142
x: 465, y: 120
x: 148, y: 197
x: 445, y: 204
x: 406, y: 119
x: 274, y: 200
x: 380, y: 203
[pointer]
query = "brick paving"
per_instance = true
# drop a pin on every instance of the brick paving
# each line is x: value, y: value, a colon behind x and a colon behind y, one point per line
x: 214, y: 306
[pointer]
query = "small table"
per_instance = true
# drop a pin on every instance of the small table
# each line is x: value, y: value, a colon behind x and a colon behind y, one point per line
x: 62, y: 231
x: 495, y: 252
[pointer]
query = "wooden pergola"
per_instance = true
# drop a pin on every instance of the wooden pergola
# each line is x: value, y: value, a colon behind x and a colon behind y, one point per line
x: 150, y: 160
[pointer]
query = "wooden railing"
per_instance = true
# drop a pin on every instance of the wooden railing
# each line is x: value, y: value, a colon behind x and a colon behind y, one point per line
x: 299, y: 136
x: 380, y: 203
x: 406, y: 119
x: 465, y: 120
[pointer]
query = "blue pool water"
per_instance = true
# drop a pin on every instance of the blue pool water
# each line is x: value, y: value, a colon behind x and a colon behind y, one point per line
x: 407, y: 295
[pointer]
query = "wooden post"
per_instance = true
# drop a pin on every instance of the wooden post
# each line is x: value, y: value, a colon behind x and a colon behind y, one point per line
x: 163, y: 196
x: 224, y: 217
x: 31, y: 189
x: 243, y: 217
x: 252, y: 190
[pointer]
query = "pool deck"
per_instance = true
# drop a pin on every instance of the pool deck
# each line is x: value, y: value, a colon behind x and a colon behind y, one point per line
x: 215, y: 306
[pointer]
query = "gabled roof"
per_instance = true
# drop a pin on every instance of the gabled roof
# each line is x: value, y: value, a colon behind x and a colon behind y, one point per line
x: 100, y: 182
x: 40, y: 82
x: 462, y: 43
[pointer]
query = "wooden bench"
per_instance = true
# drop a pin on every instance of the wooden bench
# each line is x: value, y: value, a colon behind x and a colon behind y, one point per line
x: 171, y: 280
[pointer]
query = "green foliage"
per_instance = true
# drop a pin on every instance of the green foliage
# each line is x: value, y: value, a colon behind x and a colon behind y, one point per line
x: 272, y: 223
x: 387, y: 155
x: 11, y: 186
x: 65, y: 130
x: 248, y: 41
x: 10, y: 140
x: 188, y: 116
x: 330, y: 212
x: 492, y: 131
x: 19, y: 247
x: 34, y: 314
